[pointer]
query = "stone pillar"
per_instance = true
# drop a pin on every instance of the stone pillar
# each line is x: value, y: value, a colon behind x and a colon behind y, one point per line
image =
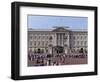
x: 58, y: 39
x: 66, y: 48
x: 50, y: 50
x: 50, y: 47
x: 62, y: 39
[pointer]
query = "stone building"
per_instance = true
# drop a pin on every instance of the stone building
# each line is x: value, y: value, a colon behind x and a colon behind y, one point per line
x: 47, y: 40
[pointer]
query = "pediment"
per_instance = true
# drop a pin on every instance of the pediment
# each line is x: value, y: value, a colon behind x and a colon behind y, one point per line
x: 60, y: 29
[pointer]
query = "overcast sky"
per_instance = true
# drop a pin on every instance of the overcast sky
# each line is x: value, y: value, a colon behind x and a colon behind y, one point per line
x: 47, y: 22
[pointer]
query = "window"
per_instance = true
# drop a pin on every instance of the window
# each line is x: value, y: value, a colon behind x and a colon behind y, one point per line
x: 73, y: 37
x: 43, y: 37
x: 30, y: 37
x: 85, y: 37
x: 70, y: 37
x: 81, y: 42
x: 34, y: 43
x: 38, y: 43
x: 30, y: 42
x: 85, y: 43
x: 73, y: 42
x: 47, y: 37
x: 39, y: 37
x: 77, y: 37
x: 35, y: 37
x: 42, y: 43
x: 81, y: 37
x: 46, y: 43
x: 77, y: 42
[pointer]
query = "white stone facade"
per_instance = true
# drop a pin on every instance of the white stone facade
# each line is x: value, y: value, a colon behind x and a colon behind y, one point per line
x: 45, y: 40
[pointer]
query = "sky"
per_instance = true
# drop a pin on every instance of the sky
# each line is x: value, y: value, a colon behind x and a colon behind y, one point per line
x: 47, y: 22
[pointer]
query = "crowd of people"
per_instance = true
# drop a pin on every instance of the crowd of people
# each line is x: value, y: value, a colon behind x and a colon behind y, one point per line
x: 46, y: 59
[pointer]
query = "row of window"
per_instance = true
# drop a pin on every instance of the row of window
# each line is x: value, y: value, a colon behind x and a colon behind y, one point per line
x: 81, y: 43
x: 78, y: 37
x: 39, y: 37
x: 41, y: 34
x: 78, y: 34
x: 47, y: 37
x: 45, y: 43
x: 42, y: 43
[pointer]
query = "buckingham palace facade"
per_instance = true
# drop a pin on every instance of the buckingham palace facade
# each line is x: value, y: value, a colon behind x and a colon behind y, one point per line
x: 45, y: 40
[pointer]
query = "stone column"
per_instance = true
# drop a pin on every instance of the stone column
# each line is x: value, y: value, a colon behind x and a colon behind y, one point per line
x: 62, y: 40
x: 66, y: 49
x: 50, y: 50
x: 50, y: 46
x: 58, y: 39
